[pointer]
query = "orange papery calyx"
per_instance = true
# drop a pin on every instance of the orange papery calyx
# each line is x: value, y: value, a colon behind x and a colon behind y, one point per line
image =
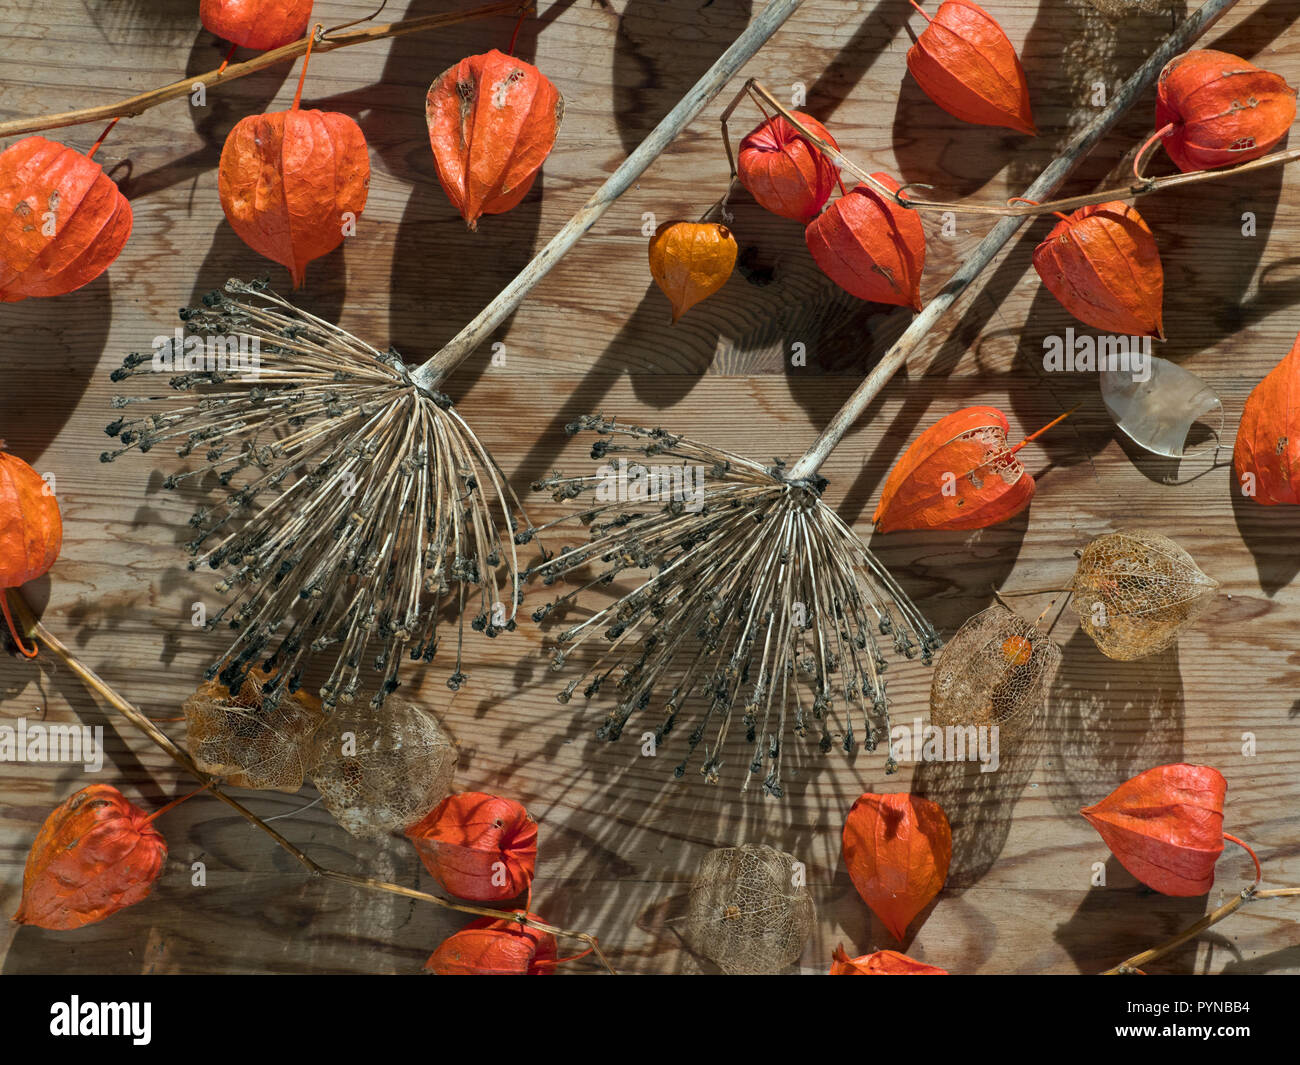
x: 1166, y: 827
x: 784, y: 171
x: 959, y: 474
x: 1215, y: 109
x: 964, y: 62
x: 294, y: 183
x: 880, y: 963
x: 31, y: 532
x: 870, y: 246
x: 95, y: 854
x: 258, y: 24
x: 63, y: 221
x: 493, y: 119
x: 1103, y: 266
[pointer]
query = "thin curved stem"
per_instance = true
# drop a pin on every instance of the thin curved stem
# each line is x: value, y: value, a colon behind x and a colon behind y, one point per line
x: 13, y: 629
x: 1143, y: 186
x: 132, y: 713
x: 138, y: 104
x: 306, y: 58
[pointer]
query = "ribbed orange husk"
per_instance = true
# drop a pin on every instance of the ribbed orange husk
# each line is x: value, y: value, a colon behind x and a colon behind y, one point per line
x: 94, y: 855
x: 1225, y: 109
x: 870, y: 246
x: 479, y: 847
x: 493, y: 120
x: 989, y: 484
x: 287, y: 181
x: 43, y: 183
x: 492, y: 947
x: 31, y: 528
x: 965, y: 63
x: 1268, y: 438
x: 897, y: 849
x: 881, y: 963
x: 1166, y: 826
x: 259, y: 24
x: 690, y: 261
x: 1103, y: 266
x: 784, y: 171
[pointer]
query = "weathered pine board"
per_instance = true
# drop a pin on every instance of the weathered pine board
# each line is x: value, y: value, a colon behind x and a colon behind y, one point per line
x: 620, y: 837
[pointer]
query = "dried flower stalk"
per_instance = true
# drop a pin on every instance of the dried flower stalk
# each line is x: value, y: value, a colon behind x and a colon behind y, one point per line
x: 785, y: 605
x: 354, y: 500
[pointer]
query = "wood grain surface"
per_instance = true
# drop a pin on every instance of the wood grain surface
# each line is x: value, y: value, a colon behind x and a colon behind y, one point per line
x: 620, y: 838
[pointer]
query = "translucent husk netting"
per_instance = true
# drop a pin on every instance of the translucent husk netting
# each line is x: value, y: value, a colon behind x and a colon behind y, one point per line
x: 252, y: 740
x: 994, y: 671
x: 397, y: 768
x: 1136, y: 590
x: 749, y: 911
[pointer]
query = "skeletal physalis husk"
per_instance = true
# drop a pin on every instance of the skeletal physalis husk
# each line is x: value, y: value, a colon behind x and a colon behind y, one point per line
x: 252, y: 739
x: 996, y: 670
x: 750, y: 911
x: 1136, y: 590
x: 1158, y: 413
x: 384, y: 769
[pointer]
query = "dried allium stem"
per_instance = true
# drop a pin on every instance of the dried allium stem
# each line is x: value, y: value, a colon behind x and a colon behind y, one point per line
x: 761, y: 597
x: 352, y: 500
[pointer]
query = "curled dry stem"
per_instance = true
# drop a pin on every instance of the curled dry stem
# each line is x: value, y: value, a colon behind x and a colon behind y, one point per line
x: 1253, y: 893
x: 317, y: 41
x: 1141, y: 186
x: 96, y: 684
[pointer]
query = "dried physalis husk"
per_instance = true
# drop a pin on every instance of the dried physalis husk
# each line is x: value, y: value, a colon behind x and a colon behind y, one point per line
x: 1136, y: 590
x: 749, y: 911
x: 251, y: 739
x: 385, y: 769
x: 996, y: 670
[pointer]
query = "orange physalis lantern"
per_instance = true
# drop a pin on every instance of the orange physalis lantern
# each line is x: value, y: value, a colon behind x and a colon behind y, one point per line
x: 493, y: 120
x: 965, y: 64
x: 62, y: 219
x: 784, y: 171
x: 881, y: 963
x: 293, y: 183
x: 690, y: 261
x: 1266, y: 456
x: 477, y: 846
x: 259, y: 24
x: 31, y: 531
x: 958, y: 474
x: 1103, y: 266
x: 1166, y: 826
x: 496, y: 947
x: 897, y: 849
x: 94, y: 855
x: 1214, y: 109
x: 870, y: 246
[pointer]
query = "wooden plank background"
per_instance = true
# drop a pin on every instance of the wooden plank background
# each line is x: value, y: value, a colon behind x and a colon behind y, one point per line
x: 620, y: 838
